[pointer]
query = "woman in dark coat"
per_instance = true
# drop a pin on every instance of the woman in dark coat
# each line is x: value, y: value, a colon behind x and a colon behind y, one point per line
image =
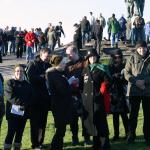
x: 18, y: 96
x: 95, y: 116
x: 2, y: 105
x: 118, y: 93
x: 61, y: 102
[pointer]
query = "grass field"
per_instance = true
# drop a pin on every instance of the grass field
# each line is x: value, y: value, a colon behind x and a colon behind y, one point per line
x: 120, y: 145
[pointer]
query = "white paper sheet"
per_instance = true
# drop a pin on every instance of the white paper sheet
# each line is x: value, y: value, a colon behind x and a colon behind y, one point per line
x: 16, y: 110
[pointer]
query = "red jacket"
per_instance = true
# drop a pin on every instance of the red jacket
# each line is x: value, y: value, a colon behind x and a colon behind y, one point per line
x: 30, y: 39
x: 106, y: 94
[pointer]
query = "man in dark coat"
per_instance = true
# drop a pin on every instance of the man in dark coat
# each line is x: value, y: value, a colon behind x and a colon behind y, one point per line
x: 19, y: 41
x: 77, y: 37
x: 137, y: 73
x: 59, y: 30
x: 85, y: 30
x: 40, y: 104
x: 97, y: 35
x: 72, y: 53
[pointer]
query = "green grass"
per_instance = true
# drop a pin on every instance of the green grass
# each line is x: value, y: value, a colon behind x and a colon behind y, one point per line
x: 120, y: 145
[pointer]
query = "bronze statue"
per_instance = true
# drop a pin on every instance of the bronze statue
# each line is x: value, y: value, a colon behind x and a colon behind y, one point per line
x: 135, y: 7
x: 130, y: 8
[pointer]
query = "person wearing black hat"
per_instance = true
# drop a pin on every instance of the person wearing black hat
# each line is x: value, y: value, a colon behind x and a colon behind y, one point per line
x: 119, y: 103
x: 61, y: 102
x: 137, y: 73
x: 95, y: 116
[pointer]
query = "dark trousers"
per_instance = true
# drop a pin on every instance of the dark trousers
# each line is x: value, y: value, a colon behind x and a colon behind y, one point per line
x: 0, y: 122
x: 38, y: 122
x: 57, y: 141
x: 16, y: 127
x: 19, y: 50
x: 75, y: 128
x: 135, y: 105
x: 116, y: 123
x: 100, y: 120
x: 98, y: 44
x: 96, y: 143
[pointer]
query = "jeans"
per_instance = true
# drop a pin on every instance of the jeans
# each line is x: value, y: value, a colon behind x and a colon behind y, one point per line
x: 138, y: 35
x: 16, y: 127
x: 51, y: 47
x: 29, y: 53
x: 85, y: 37
x: 114, y: 39
x: 147, y: 39
x: 11, y: 46
x: 133, y: 36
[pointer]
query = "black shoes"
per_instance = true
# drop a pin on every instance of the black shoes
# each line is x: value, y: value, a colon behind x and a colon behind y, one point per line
x: 131, y: 137
x: 147, y: 142
x: 106, y: 145
x: 87, y: 142
x: 75, y: 142
x: 115, y: 138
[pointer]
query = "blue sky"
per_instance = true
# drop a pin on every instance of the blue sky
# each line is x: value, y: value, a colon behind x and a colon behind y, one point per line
x: 38, y: 13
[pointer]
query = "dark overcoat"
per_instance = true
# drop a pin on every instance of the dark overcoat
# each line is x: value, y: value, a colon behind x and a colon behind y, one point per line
x: 19, y: 93
x: 61, y: 100
x: 36, y: 75
x: 119, y: 103
x: 94, y: 116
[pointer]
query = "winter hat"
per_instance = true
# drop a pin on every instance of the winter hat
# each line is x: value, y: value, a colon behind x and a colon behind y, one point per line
x: 55, y: 60
x: 92, y: 52
x: 141, y: 44
x: 117, y: 52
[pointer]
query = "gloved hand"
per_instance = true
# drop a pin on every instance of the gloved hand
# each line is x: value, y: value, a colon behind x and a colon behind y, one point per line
x: 17, y: 102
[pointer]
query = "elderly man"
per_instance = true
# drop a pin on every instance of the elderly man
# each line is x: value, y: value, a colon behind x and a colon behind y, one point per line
x: 137, y: 73
x: 77, y: 62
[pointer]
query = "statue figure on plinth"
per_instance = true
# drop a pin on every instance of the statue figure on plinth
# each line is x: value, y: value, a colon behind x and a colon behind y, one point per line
x: 135, y: 7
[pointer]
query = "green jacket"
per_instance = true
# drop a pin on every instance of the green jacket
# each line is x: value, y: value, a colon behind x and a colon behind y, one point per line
x: 137, y: 69
x: 114, y: 26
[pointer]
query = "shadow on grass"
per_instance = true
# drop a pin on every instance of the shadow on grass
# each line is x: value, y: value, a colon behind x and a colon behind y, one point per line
x: 67, y: 146
x: 121, y: 144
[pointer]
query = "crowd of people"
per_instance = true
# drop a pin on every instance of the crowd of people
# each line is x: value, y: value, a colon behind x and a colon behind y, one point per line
x: 92, y: 90
x: 18, y: 41
x: 74, y: 86
x: 128, y: 30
